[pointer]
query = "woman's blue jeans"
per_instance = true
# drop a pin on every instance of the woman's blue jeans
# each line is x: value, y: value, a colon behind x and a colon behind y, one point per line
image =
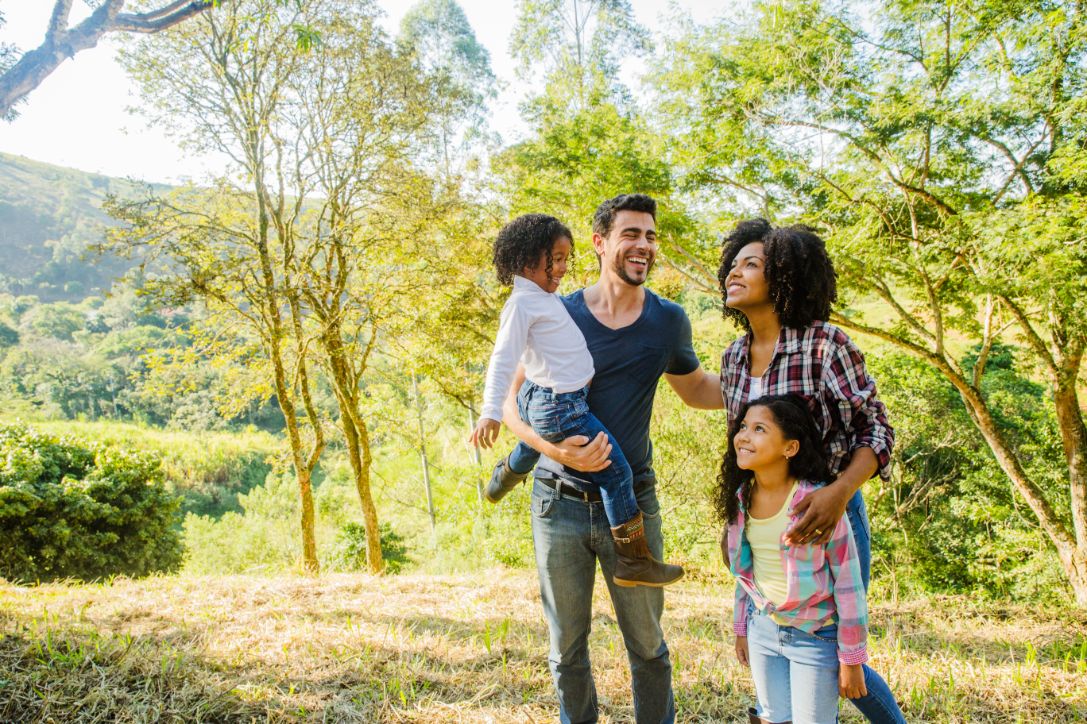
x: 556, y: 416
x: 878, y: 705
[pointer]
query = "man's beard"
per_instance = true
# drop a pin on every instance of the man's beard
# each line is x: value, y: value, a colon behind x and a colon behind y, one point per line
x: 621, y: 270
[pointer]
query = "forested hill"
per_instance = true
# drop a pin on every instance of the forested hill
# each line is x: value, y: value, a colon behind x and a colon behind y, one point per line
x: 49, y: 216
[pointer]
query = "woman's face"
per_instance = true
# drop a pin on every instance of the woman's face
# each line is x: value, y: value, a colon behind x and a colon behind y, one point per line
x: 745, y: 285
x: 760, y: 443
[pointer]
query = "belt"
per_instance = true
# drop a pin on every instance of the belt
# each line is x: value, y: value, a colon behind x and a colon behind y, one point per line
x: 566, y: 489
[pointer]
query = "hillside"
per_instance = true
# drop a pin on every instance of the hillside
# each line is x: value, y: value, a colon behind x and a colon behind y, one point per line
x: 417, y: 648
x: 49, y: 216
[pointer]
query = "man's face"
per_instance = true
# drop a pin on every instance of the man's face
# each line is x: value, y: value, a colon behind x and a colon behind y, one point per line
x: 630, y: 248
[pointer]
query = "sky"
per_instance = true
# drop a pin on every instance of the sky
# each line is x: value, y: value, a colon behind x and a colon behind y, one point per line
x: 79, y: 116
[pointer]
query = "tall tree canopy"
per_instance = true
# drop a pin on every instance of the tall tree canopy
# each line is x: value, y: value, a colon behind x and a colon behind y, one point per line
x: 941, y: 146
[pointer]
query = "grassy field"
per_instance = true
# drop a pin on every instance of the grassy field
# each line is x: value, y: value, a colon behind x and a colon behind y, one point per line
x: 417, y: 648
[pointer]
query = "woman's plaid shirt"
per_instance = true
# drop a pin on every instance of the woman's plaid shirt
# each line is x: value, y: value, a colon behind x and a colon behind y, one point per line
x: 821, y: 364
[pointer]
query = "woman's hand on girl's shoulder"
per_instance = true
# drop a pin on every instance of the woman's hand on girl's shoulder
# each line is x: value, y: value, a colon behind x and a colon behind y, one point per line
x: 820, y: 511
x: 851, y: 681
x: 741, y: 651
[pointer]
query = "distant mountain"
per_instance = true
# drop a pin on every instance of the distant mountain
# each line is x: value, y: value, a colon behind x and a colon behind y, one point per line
x: 49, y: 217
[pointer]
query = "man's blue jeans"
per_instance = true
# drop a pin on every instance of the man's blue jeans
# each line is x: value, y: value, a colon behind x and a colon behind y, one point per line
x: 570, y: 536
x: 556, y: 416
x: 878, y: 705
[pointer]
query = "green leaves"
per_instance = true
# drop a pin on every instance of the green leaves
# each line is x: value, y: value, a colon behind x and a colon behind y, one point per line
x: 73, y: 511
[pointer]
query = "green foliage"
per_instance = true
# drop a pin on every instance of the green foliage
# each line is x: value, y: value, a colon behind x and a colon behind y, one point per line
x: 69, y: 510
x: 948, y: 521
x: 932, y: 144
x: 349, y: 551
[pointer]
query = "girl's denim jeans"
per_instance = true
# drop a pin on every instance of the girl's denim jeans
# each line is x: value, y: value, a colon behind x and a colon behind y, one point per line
x: 796, y: 673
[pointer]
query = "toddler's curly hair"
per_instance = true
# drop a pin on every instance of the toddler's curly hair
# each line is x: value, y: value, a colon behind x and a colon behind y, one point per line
x: 522, y: 242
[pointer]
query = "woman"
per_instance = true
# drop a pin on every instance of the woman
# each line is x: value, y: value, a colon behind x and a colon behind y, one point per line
x: 779, y: 285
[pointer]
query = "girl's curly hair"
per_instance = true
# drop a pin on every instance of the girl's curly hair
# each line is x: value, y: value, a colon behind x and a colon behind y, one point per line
x: 793, y: 416
x: 524, y: 240
x: 802, y: 281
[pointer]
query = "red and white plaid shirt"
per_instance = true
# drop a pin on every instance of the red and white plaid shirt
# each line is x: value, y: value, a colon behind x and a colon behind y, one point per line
x: 821, y: 364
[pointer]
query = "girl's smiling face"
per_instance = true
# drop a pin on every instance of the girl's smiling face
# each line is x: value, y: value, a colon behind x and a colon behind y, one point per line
x: 560, y: 255
x: 760, y: 443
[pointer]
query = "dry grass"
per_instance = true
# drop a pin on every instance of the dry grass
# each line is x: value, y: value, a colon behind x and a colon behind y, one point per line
x: 465, y: 649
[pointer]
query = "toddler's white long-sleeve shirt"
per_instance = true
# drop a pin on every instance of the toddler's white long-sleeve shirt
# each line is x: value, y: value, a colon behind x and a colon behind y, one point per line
x: 536, y: 329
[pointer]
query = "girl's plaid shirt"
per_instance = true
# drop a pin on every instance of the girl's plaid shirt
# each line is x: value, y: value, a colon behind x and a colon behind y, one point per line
x: 821, y: 364
x: 824, y: 584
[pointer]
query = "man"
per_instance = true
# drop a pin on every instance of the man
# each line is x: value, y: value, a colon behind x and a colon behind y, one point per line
x: 634, y: 337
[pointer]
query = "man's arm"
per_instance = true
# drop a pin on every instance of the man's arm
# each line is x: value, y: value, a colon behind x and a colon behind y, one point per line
x: 699, y: 389
x: 576, y: 452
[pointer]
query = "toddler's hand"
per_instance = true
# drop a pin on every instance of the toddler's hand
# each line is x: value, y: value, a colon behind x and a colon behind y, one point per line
x: 741, y: 650
x: 851, y: 681
x: 486, y: 432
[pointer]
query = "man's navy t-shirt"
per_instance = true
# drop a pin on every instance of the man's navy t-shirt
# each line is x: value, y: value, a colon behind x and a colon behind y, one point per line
x: 629, y: 362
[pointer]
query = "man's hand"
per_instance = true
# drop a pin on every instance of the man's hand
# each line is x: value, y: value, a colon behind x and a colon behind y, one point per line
x: 485, y: 432
x: 820, y: 512
x: 851, y: 681
x: 581, y: 454
x: 741, y: 651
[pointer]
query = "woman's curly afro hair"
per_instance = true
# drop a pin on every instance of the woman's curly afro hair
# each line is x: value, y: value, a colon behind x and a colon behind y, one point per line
x: 522, y: 242
x: 801, y: 278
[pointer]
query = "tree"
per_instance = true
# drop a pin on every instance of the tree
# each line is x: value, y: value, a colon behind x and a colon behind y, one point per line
x: 233, y: 247
x: 579, y: 43
x: 940, y: 147
x: 19, y: 77
x: 438, y: 33
x: 315, y: 252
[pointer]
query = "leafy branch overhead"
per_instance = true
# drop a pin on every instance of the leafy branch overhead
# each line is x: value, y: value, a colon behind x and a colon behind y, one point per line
x: 62, y: 41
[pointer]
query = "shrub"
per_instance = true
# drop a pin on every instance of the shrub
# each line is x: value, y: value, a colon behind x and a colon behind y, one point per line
x: 69, y: 510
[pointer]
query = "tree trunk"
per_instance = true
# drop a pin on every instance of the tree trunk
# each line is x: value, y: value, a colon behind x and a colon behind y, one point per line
x: 1073, y: 557
x: 358, y: 451
x: 1074, y: 440
x: 301, y: 470
x: 422, y: 452
x: 475, y: 455
x: 356, y: 437
x: 1077, y: 575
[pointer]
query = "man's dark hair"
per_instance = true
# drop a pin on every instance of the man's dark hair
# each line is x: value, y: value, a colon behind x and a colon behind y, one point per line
x: 524, y: 240
x: 801, y: 278
x: 793, y: 415
x: 605, y: 214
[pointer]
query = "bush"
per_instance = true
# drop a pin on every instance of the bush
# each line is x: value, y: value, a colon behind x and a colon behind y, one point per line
x: 69, y: 510
x: 349, y: 552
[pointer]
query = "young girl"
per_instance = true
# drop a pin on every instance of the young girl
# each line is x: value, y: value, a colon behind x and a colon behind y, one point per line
x: 531, y: 253
x: 800, y: 614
